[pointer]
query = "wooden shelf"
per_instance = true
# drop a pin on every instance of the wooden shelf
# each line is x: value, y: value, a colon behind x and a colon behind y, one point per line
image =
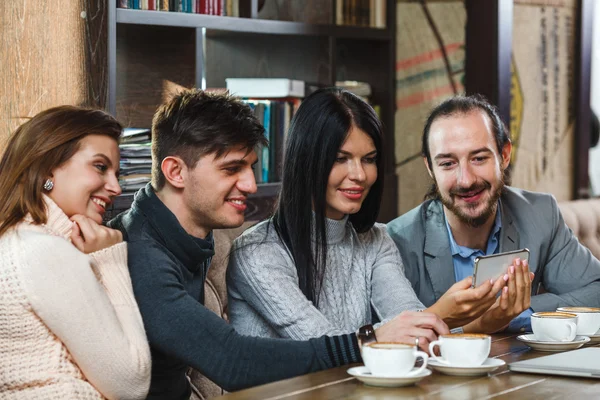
x: 124, y: 201
x: 247, y: 25
x: 260, y: 203
x: 267, y: 190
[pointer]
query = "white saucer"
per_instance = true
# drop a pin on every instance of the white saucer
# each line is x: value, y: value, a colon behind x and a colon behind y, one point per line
x: 595, y: 338
x: 488, y: 366
x: 363, y: 375
x: 530, y: 341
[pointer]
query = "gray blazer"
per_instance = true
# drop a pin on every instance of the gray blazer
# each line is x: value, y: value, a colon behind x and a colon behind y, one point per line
x: 566, y: 270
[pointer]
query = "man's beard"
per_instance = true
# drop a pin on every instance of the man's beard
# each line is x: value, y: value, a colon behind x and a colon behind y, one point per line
x: 488, y: 211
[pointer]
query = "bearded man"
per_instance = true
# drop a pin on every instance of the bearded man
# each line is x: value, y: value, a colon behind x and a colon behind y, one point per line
x: 470, y: 212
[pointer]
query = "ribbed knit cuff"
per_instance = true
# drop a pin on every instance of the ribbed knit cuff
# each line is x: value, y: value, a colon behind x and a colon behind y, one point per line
x: 343, y: 349
x: 111, y: 265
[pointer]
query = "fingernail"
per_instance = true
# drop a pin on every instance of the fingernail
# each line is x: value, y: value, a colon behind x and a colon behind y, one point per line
x: 525, y: 263
x: 492, y: 281
x: 505, y: 277
x: 512, y: 269
x: 517, y: 261
x: 505, y: 289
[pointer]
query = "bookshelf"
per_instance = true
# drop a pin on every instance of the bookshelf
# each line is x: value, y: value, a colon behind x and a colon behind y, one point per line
x: 150, y: 51
x: 246, y: 25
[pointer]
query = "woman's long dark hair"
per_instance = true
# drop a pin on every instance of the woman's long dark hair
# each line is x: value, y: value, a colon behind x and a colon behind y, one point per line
x: 316, y: 134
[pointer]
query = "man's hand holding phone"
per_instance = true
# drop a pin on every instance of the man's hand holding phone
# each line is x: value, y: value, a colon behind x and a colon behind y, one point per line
x: 515, y: 298
x: 462, y: 303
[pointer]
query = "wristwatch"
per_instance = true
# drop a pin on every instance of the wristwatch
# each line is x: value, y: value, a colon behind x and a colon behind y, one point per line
x: 366, y: 334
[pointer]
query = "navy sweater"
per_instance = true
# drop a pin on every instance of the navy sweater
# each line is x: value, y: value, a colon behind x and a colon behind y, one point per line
x: 168, y: 268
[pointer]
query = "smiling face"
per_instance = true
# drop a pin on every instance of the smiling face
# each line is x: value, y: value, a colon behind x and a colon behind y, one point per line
x: 352, y: 175
x: 88, y: 181
x: 217, y: 189
x: 466, y: 165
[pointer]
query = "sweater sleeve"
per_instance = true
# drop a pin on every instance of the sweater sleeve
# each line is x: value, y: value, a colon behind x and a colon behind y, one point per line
x: 391, y: 292
x: 100, y: 326
x: 264, y: 276
x: 180, y: 326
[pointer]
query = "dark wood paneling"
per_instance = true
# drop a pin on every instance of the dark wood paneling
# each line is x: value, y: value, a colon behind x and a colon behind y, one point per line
x: 152, y: 61
x: 307, y: 11
x: 260, y: 208
x: 253, y: 56
x: 582, y: 89
x: 488, y: 45
x: 50, y: 56
x: 356, y: 60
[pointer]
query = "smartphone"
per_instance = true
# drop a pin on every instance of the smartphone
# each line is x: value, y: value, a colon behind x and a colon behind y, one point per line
x: 495, y: 265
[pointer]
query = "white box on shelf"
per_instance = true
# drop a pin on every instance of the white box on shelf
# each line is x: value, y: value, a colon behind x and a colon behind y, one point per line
x: 265, y: 87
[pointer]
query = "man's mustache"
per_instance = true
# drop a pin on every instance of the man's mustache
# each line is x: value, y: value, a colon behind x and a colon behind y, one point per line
x: 474, y: 188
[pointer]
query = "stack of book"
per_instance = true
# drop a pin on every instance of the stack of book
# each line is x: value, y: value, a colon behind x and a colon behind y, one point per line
x: 136, y: 160
x: 209, y: 7
x: 371, y: 13
x: 274, y: 102
x: 275, y: 115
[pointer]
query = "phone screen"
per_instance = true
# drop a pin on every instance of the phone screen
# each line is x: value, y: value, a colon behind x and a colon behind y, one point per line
x: 495, y: 265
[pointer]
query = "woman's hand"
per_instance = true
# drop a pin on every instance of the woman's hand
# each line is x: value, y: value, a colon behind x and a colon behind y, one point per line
x: 410, y: 325
x: 88, y: 236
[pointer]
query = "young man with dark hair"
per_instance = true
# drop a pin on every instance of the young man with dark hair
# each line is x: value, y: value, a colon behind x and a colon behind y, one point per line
x: 203, y: 152
x: 472, y: 212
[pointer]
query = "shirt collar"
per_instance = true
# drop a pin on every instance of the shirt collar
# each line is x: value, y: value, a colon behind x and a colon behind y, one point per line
x: 466, y: 252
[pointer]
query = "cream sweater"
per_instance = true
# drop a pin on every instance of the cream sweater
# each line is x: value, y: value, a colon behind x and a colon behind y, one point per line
x: 69, y: 325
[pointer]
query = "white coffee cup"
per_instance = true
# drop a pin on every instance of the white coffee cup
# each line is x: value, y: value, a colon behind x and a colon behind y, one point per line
x: 554, y: 326
x: 588, y: 319
x: 462, y: 350
x: 388, y: 359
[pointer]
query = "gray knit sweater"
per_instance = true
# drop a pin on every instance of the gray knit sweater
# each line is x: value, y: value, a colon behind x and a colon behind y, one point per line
x: 363, y: 271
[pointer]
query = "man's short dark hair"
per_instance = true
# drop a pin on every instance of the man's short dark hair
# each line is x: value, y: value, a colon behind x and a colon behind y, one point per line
x: 461, y: 105
x: 195, y: 123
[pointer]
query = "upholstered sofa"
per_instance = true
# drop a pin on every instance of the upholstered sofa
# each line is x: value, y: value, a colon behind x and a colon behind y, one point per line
x: 215, y: 299
x: 583, y: 217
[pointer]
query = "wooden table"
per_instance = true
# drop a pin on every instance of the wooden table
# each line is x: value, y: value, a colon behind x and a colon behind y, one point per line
x: 500, y: 384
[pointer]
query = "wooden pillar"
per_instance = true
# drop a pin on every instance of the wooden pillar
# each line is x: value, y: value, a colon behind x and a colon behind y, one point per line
x: 488, y: 51
x: 582, y: 100
x: 50, y: 55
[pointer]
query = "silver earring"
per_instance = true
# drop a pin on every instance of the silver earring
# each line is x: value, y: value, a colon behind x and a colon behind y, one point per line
x: 48, y: 185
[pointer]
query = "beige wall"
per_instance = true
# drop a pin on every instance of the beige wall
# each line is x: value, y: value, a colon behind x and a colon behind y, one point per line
x: 543, y: 125
x: 422, y: 82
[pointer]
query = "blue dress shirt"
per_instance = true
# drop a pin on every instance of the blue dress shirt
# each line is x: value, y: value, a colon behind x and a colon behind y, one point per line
x: 463, y: 259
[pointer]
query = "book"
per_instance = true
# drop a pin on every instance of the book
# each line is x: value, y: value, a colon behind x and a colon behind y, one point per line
x: 136, y: 162
x: 265, y: 87
x: 362, y: 89
x: 275, y: 115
